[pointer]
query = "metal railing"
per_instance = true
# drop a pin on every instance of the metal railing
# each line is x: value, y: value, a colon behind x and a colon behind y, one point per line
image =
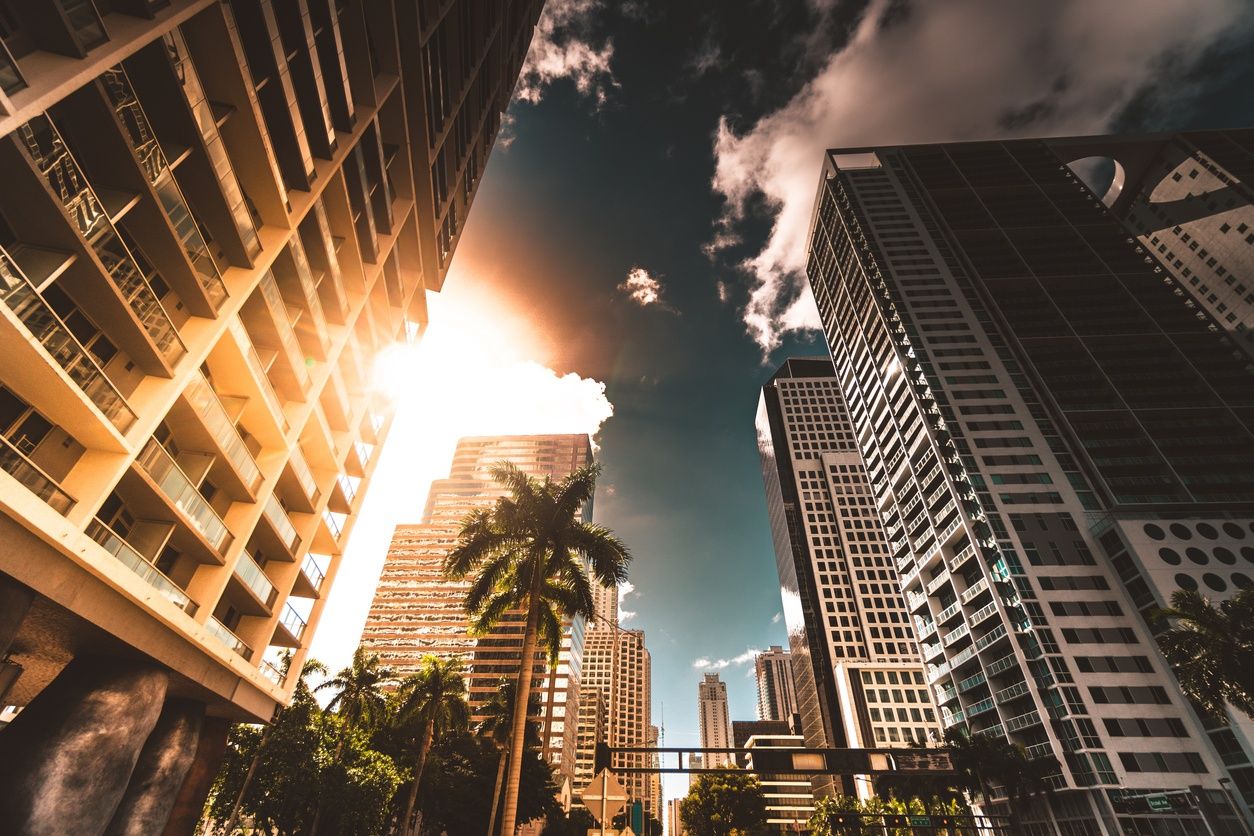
x: 56, y: 338
x: 184, y: 495
x: 137, y: 563
x: 313, y: 573
x: 14, y: 462
x: 223, y: 634
x: 283, y: 325
x: 254, y: 577
x: 203, y: 398
x: 292, y: 621
x: 333, y: 523
x: 300, y: 469
x: 259, y: 370
x: 282, y: 523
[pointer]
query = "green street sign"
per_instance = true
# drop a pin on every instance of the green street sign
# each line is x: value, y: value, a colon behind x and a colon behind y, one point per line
x: 1158, y: 802
x: 920, y: 821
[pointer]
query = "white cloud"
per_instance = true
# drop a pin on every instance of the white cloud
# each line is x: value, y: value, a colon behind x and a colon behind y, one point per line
x: 943, y: 71
x: 563, y: 48
x: 705, y: 663
x: 644, y: 289
x: 777, y: 618
x: 625, y: 590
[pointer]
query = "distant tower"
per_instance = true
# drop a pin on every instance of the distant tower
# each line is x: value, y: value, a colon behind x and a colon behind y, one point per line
x: 777, y: 699
x: 604, y: 604
x: 715, y: 721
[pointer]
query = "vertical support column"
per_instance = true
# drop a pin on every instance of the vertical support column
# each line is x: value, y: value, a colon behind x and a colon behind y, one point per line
x: 15, y: 601
x: 190, y: 801
x: 66, y: 759
x: 160, y: 770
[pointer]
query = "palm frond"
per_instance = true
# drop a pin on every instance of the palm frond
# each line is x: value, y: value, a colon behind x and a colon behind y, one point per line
x: 577, y: 490
x: 608, y: 556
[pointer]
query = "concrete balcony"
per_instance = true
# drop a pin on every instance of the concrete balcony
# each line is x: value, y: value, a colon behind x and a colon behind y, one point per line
x: 290, y: 629
x: 311, y: 576
x: 162, y: 473
x: 208, y: 420
x: 15, y: 463
x: 281, y: 525
x: 223, y: 634
x: 260, y: 591
x: 299, y: 482
x: 137, y: 563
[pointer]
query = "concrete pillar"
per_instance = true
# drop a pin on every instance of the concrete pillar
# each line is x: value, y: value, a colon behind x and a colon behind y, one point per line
x: 15, y: 601
x: 160, y: 770
x: 190, y: 802
x: 66, y: 759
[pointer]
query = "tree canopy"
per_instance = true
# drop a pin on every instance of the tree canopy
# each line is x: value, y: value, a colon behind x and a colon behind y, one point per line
x: 725, y: 803
x: 1211, y: 648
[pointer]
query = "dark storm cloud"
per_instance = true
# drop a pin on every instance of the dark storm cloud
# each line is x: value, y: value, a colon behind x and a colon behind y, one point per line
x: 940, y: 71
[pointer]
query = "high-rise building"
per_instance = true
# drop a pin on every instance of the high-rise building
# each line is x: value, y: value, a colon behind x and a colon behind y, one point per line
x: 1057, y: 437
x: 417, y: 611
x: 777, y: 698
x: 654, y: 806
x: 789, y: 798
x: 675, y: 823
x: 714, y: 719
x: 617, y: 664
x: 593, y: 728
x: 214, y: 215
x: 605, y: 604
x: 857, y: 670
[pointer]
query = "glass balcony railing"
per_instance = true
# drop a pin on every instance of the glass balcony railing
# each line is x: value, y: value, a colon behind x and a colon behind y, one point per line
x: 208, y: 406
x: 300, y: 468
x: 254, y: 577
x: 173, y: 482
x: 348, y: 484
x: 365, y: 451
x: 85, y: 22
x: 11, y: 79
x: 334, y: 523
x: 293, y: 621
x: 123, y: 551
x: 313, y: 573
x: 259, y: 370
x: 271, y: 672
x: 55, y: 337
x: 287, y: 337
x: 223, y: 634
x: 305, y: 274
x: 15, y: 463
x: 282, y: 524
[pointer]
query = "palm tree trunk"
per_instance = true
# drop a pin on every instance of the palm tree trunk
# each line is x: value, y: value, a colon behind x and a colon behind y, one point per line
x: 526, y: 665
x: 427, y: 733
x: 229, y: 825
x: 496, y: 792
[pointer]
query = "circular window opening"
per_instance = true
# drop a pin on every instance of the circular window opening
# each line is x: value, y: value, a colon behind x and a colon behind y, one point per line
x: 1181, y: 531
x: 1170, y: 556
x: 1155, y: 532
x: 1214, y: 582
x: 1103, y: 175
x: 1197, y: 556
x: 1247, y: 553
x: 1225, y: 555
x: 1241, y: 580
x: 1208, y: 531
x: 1186, y: 582
x: 1234, y: 530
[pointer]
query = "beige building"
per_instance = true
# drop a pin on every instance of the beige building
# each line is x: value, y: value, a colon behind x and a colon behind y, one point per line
x: 777, y: 697
x: 417, y: 611
x: 214, y: 216
x: 714, y: 720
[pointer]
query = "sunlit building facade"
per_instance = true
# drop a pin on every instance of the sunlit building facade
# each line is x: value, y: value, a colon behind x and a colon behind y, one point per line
x: 214, y: 216
x: 417, y: 611
x: 1057, y: 437
x: 714, y: 720
x: 777, y: 697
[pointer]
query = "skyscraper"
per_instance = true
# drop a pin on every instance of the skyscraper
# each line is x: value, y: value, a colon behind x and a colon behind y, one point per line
x: 858, y: 674
x: 214, y: 214
x: 1057, y: 438
x: 617, y: 664
x: 416, y: 611
x: 715, y: 721
x: 777, y: 698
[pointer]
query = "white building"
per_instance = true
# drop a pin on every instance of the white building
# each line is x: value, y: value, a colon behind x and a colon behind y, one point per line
x: 777, y: 697
x: 716, y: 732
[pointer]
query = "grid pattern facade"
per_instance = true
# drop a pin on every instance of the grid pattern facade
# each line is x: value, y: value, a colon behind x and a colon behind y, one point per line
x: 789, y: 798
x: 991, y: 325
x: 214, y: 215
x: 416, y: 611
x: 859, y: 610
x: 618, y: 666
x: 715, y: 722
x: 777, y: 698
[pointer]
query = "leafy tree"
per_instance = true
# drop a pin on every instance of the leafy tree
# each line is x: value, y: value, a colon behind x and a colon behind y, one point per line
x: 528, y: 552
x: 827, y: 809
x: 652, y: 827
x: 1211, y: 648
x: 724, y: 803
x: 458, y: 782
x: 357, y: 785
x: 575, y: 823
x: 986, y: 760
x: 433, y: 700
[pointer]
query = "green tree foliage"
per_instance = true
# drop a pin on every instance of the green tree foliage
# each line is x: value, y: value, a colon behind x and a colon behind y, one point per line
x: 827, y: 811
x: 986, y: 763
x: 575, y: 823
x: 456, y: 794
x: 1211, y: 648
x: 432, y: 702
x: 529, y: 552
x: 725, y: 803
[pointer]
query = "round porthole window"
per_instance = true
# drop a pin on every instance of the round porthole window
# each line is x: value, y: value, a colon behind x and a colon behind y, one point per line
x: 1181, y: 531
x: 1214, y: 582
x: 1169, y: 556
x: 1155, y: 532
x: 1186, y: 582
x: 1225, y: 555
x: 1208, y: 531
x: 1241, y: 580
x: 1197, y: 556
x: 1247, y: 553
x: 1235, y: 531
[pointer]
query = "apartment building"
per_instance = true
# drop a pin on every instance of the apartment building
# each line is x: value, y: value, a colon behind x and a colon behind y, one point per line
x: 1057, y: 437
x: 777, y: 696
x: 714, y: 720
x: 417, y: 611
x: 215, y: 214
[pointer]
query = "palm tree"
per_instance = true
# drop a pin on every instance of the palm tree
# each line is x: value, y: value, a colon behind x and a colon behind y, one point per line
x: 359, y: 701
x: 986, y: 759
x: 433, y: 699
x: 1211, y: 648
x: 1024, y: 779
x: 495, y: 727
x: 529, y: 552
x: 309, y: 668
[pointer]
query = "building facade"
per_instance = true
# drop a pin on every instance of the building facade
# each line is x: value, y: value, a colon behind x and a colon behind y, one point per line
x: 417, y: 611
x: 617, y: 665
x: 857, y: 666
x: 1057, y: 437
x: 789, y: 798
x: 712, y: 714
x: 215, y: 214
x: 777, y: 697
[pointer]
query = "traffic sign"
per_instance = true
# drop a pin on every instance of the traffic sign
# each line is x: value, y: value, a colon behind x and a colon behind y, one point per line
x: 1158, y: 802
x: 605, y: 797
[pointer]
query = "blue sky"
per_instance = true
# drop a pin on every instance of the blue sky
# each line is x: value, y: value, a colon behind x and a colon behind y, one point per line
x: 646, y: 220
